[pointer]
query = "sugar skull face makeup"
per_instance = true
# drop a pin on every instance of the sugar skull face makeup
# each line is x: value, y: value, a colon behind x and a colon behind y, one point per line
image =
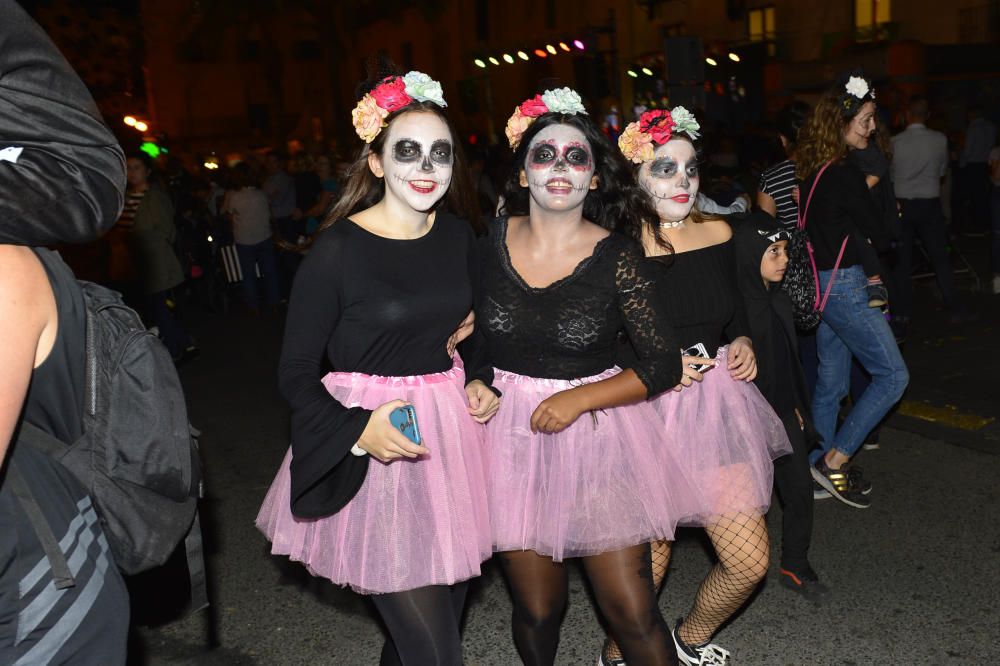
x: 418, y: 160
x: 671, y: 178
x: 559, y: 168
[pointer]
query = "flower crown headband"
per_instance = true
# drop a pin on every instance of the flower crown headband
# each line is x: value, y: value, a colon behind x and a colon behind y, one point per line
x: 656, y: 127
x: 560, y: 100
x: 857, y: 91
x: 392, y: 94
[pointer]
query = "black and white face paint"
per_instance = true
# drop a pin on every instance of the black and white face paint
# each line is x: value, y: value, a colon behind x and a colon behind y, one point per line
x: 418, y: 160
x: 559, y: 167
x: 671, y: 178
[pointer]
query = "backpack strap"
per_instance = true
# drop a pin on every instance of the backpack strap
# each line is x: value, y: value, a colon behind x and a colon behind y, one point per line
x: 62, y: 577
x: 819, y: 304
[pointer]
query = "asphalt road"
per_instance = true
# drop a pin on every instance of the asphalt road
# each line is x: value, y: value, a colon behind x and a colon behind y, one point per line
x: 915, y: 577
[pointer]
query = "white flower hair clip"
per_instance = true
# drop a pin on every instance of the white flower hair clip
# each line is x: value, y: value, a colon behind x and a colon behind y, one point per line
x: 858, y: 87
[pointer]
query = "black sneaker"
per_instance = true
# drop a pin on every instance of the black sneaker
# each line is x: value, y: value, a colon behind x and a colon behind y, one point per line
x: 605, y: 660
x: 838, y: 483
x: 707, y: 654
x: 805, y: 583
x: 819, y: 492
x: 858, y: 481
x: 878, y: 296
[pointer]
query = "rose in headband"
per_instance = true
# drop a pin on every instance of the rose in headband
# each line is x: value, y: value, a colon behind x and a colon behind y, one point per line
x: 857, y: 91
x: 655, y: 128
x: 392, y: 94
x: 561, y: 100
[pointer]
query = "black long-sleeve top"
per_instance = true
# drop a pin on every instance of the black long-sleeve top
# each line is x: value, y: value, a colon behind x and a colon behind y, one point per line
x: 570, y: 328
x: 377, y: 306
x: 840, y: 205
x: 698, y: 292
x: 67, y: 183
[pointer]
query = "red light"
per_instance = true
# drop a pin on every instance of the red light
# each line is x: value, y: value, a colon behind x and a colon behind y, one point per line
x: 541, y: 54
x: 473, y: 139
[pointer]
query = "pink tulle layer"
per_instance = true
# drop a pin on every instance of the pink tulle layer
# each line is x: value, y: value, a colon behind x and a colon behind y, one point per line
x: 600, y: 485
x: 413, y: 523
x: 726, y: 436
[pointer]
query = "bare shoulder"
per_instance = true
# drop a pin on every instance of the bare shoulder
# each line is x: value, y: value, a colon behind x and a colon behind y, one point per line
x: 20, y: 270
x: 717, y: 230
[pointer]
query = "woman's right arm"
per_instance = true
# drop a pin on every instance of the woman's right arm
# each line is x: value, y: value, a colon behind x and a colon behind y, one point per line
x: 27, y: 309
x: 766, y: 203
x: 322, y: 428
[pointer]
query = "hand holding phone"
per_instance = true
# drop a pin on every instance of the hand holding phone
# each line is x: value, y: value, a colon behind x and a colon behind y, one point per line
x: 404, y: 419
x: 387, y: 437
x: 699, y: 351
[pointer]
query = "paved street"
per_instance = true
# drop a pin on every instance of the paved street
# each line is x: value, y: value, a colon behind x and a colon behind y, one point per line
x: 916, y: 577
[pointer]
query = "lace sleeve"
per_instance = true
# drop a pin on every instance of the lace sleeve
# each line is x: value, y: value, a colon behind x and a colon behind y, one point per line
x: 653, y: 338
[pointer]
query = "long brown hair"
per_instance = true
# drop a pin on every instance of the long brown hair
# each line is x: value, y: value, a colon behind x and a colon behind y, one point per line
x: 821, y: 139
x: 362, y: 189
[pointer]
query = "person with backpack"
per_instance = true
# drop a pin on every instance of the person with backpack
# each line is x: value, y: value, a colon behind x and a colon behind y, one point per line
x: 78, y: 615
x: 836, y: 205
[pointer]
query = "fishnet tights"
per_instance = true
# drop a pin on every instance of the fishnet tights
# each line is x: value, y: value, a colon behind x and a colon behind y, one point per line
x: 743, y: 549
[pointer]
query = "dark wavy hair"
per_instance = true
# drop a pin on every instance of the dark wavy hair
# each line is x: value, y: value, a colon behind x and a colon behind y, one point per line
x: 618, y: 203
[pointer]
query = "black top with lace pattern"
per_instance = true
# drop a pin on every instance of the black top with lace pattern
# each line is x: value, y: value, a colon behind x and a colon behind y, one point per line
x: 570, y: 328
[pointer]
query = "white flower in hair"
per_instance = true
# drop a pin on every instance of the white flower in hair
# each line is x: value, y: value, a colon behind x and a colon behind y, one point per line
x: 857, y: 86
x: 684, y: 121
x: 423, y: 88
x: 563, y: 100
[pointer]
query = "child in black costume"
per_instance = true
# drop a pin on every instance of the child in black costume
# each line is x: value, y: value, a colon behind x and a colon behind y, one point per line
x: 761, y: 259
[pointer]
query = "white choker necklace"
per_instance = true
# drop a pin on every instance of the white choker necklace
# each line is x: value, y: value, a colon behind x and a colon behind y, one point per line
x: 672, y: 225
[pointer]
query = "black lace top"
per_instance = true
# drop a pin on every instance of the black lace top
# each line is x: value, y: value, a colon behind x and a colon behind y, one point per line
x: 570, y: 328
x: 698, y: 292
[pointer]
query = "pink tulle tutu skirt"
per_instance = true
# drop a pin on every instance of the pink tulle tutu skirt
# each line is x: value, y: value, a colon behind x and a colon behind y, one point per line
x: 726, y: 436
x: 595, y: 487
x: 414, y: 522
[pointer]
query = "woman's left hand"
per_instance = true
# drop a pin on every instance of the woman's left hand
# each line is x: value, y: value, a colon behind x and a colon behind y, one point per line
x: 557, y: 412
x: 483, y: 403
x: 463, y: 331
x: 742, y: 360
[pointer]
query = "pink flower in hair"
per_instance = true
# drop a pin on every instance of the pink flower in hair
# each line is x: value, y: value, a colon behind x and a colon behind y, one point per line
x: 658, y: 124
x: 391, y: 95
x: 533, y: 107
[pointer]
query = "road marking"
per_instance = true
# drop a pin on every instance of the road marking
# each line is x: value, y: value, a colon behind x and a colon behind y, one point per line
x: 947, y: 415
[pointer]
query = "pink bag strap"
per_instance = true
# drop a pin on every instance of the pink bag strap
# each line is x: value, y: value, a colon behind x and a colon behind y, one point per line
x: 817, y: 303
x: 804, y: 211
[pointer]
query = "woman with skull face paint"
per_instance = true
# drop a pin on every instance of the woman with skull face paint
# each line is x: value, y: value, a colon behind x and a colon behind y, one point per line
x: 391, y: 273
x: 574, y: 451
x: 729, y: 433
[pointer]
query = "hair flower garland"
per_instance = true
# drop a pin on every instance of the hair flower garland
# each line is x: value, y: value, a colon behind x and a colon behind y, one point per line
x: 655, y: 128
x: 392, y: 94
x: 561, y: 100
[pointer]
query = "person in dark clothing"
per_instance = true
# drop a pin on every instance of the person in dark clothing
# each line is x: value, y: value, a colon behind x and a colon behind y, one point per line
x: 576, y: 467
x: 391, y: 273
x: 761, y: 260
x: 62, y: 178
x: 837, y: 205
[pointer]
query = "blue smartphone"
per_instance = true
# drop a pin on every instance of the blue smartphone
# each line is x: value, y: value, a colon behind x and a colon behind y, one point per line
x: 404, y: 419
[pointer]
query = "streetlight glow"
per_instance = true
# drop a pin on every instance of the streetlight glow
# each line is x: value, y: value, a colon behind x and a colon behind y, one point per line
x: 480, y: 63
x: 541, y: 54
x: 647, y: 71
x: 551, y: 49
x: 494, y: 60
x: 508, y: 58
x: 522, y: 55
x: 632, y: 74
x: 564, y: 46
x: 734, y: 57
x: 578, y: 44
x: 129, y: 120
x: 141, y: 126
x: 711, y: 61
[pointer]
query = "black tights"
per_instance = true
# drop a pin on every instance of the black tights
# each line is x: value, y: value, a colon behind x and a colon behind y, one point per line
x: 423, y: 625
x: 623, y: 584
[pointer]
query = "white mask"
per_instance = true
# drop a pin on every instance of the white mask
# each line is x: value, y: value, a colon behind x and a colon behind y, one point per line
x: 671, y: 178
x: 559, y: 168
x: 418, y: 160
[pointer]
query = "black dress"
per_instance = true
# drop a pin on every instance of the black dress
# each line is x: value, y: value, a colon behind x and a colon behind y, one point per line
x: 86, y: 623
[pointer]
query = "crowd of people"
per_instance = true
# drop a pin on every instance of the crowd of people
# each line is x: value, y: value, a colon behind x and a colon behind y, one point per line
x: 621, y: 351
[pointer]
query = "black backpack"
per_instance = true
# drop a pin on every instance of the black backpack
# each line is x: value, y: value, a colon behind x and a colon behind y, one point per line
x: 138, y: 456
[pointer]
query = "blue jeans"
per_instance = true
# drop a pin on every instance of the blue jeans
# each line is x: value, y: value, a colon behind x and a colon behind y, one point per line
x: 260, y: 256
x: 849, y: 327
